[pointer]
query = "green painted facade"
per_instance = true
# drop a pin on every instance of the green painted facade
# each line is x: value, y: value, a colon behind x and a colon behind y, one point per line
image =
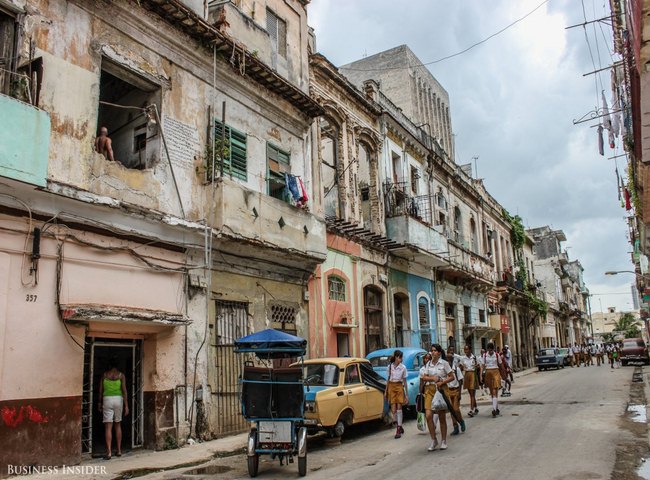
x: 24, y: 141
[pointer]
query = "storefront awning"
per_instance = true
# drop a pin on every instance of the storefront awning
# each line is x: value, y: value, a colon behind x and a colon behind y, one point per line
x: 127, y: 315
x: 480, y: 331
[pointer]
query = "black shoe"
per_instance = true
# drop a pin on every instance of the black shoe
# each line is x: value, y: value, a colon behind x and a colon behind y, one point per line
x: 401, y: 429
x: 494, y: 413
x: 498, y: 412
x: 456, y: 431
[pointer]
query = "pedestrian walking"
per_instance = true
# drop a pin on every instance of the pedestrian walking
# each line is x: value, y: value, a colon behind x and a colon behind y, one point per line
x: 577, y: 353
x: 396, y: 390
x: 586, y: 354
x: 455, y: 390
x: 481, y: 379
x: 492, y: 377
x: 610, y: 354
x: 469, y: 366
x: 508, y: 356
x: 506, y: 383
x: 436, y: 374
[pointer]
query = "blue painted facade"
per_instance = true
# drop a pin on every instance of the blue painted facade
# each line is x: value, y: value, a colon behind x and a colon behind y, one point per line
x: 419, y: 290
x: 24, y: 141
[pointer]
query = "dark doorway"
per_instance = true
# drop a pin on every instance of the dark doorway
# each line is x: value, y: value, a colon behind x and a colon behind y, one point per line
x: 127, y: 356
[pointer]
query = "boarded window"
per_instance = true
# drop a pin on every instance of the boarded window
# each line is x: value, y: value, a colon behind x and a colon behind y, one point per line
x: 277, y: 164
x: 336, y: 288
x: 234, y: 151
x: 7, y: 52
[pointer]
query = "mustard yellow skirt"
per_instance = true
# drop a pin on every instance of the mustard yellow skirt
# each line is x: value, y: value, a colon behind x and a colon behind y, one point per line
x: 396, y: 393
x: 492, y: 378
x: 469, y: 380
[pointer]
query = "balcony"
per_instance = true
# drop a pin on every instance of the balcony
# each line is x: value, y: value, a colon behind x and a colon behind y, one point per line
x: 24, y: 141
x: 464, y: 263
x: 260, y: 226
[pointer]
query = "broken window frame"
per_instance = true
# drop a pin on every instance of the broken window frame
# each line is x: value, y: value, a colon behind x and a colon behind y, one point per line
x: 235, y: 152
x: 276, y: 27
x: 9, y: 49
x: 123, y: 146
x: 336, y: 288
x: 275, y: 180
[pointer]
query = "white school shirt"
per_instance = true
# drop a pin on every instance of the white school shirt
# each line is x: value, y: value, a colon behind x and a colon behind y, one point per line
x: 469, y: 363
x: 397, y: 372
x: 455, y: 364
x: 576, y: 349
x: 440, y: 369
x: 491, y: 361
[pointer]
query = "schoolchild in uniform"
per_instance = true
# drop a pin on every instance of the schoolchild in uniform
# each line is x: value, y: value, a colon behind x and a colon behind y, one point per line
x: 455, y: 389
x: 434, y: 375
x: 577, y: 353
x: 506, y: 383
x: 469, y: 364
x: 396, y: 392
x: 490, y: 369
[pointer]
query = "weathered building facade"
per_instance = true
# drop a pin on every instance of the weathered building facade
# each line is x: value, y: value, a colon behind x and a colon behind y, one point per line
x: 194, y: 233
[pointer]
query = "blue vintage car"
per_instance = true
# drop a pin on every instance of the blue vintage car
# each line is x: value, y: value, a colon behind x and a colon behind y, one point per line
x: 379, y: 359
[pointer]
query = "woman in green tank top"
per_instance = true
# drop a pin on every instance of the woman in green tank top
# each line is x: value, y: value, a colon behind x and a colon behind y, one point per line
x: 113, y: 401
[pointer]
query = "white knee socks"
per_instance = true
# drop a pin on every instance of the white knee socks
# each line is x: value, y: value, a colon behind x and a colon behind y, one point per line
x: 399, y: 417
x: 494, y: 403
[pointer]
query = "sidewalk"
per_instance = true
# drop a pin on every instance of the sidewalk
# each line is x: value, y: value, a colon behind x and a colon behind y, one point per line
x: 142, y: 462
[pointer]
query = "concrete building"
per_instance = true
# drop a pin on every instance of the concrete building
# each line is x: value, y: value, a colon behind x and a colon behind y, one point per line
x: 163, y: 256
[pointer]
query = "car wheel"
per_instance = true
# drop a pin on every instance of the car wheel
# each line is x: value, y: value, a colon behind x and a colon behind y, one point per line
x: 338, y: 429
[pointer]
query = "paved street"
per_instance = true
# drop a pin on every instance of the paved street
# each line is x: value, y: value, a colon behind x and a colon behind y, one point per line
x: 565, y: 424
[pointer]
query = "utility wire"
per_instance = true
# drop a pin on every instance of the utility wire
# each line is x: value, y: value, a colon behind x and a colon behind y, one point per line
x: 458, y: 53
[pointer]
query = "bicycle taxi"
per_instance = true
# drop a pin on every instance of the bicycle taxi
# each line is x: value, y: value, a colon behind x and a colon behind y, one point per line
x: 272, y: 398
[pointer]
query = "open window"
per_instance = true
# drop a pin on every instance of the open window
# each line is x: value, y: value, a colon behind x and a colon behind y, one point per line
x: 233, y: 150
x: 126, y: 102
x: 278, y: 163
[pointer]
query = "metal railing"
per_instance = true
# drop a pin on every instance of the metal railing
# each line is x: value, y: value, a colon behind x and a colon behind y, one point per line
x: 398, y: 202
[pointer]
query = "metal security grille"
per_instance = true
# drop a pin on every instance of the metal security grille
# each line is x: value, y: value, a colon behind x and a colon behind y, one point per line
x: 87, y: 399
x: 231, y: 323
x: 283, y: 317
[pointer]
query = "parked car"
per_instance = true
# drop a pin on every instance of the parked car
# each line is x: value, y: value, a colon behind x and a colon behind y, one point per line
x: 549, y: 358
x: 380, y: 359
x: 634, y: 350
x: 340, y: 392
x: 564, y: 356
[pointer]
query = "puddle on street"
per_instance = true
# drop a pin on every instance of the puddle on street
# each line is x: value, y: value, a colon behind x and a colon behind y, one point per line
x: 209, y: 470
x: 637, y: 413
x: 644, y: 470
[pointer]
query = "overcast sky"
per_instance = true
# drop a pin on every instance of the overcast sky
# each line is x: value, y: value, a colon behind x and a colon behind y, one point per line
x: 513, y: 100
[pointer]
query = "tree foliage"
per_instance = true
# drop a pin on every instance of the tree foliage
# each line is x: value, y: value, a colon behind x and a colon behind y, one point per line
x: 628, y: 325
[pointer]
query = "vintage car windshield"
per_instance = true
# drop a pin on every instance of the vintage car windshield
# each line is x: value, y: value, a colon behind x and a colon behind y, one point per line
x: 546, y: 353
x: 323, y: 374
x: 632, y: 344
x: 381, y: 361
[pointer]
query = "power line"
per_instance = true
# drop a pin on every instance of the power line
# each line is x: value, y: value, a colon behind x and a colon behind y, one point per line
x: 458, y: 53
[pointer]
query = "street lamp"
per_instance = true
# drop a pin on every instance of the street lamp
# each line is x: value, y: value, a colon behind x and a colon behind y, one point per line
x: 616, y: 272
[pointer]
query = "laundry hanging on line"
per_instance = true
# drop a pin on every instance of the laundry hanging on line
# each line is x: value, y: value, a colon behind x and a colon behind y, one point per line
x: 295, y: 190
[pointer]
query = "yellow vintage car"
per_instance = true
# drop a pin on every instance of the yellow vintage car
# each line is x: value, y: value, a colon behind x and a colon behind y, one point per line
x: 340, y: 392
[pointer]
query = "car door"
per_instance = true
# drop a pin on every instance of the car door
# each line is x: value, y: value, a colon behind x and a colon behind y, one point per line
x: 355, y: 391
